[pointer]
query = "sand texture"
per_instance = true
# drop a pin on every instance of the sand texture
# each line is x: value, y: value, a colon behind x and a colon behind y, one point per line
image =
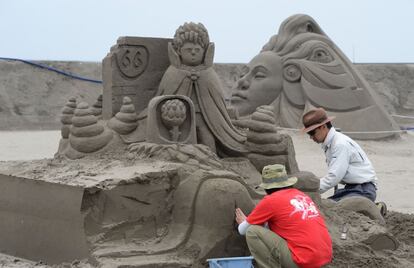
x: 141, y: 206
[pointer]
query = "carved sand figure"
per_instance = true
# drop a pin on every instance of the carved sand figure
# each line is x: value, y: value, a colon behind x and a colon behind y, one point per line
x: 66, y: 120
x: 191, y: 74
x: 171, y: 119
x: 86, y: 134
x: 66, y: 117
x: 265, y: 144
x: 125, y: 121
x: 97, y: 107
x: 301, y: 68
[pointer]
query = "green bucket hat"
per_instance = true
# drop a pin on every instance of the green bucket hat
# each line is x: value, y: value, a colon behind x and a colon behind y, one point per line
x: 275, y: 176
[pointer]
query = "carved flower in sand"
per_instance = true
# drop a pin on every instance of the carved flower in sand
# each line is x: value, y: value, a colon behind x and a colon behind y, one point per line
x: 173, y: 113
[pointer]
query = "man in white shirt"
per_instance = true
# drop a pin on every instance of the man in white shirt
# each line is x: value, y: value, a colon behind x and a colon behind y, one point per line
x: 347, y: 162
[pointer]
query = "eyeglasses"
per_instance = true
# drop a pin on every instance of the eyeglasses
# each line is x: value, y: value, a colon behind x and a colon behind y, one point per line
x: 312, y: 132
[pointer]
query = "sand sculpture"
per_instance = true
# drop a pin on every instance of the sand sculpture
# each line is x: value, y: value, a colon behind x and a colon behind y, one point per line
x: 265, y: 144
x: 171, y: 119
x: 66, y: 117
x: 166, y: 201
x: 191, y: 74
x: 301, y: 68
x: 97, y: 108
x: 66, y: 120
x: 85, y: 135
x: 125, y: 121
x: 133, y: 68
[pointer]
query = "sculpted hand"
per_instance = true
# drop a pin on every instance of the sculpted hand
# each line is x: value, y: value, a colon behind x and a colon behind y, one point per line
x: 240, y: 217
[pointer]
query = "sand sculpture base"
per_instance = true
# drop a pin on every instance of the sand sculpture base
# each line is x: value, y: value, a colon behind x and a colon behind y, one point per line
x: 124, y: 209
x: 145, y: 205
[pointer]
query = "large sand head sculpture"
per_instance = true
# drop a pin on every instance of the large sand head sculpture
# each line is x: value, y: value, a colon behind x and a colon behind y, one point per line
x: 301, y: 68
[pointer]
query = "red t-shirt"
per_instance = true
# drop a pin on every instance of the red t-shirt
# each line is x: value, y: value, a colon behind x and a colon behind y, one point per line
x: 293, y: 216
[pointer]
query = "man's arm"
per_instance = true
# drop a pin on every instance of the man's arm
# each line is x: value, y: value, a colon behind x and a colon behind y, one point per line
x: 337, y: 168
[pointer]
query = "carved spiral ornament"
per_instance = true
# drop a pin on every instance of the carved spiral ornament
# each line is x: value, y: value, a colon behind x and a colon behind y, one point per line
x: 292, y: 73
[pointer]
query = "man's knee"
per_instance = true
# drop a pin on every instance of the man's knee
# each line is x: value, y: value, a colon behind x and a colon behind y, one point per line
x: 253, y: 230
x: 253, y: 233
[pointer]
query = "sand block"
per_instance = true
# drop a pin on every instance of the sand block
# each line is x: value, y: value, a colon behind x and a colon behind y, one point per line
x: 134, y: 68
x: 128, y: 211
x: 41, y: 220
x: 62, y: 218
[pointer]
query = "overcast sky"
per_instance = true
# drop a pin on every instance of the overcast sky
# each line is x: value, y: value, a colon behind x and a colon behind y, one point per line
x: 84, y: 30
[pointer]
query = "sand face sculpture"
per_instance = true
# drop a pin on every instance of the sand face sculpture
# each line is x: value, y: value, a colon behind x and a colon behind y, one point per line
x: 301, y: 68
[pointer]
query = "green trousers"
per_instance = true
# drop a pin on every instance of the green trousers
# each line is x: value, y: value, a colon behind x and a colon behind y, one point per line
x: 268, y: 249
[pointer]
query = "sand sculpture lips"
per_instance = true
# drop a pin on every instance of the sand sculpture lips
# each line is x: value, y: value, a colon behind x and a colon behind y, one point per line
x: 238, y: 96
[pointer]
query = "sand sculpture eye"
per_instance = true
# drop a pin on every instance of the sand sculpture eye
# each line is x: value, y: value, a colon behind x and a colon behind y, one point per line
x: 321, y: 55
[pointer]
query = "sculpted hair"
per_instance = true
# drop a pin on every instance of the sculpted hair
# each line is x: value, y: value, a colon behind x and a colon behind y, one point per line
x: 294, y: 25
x: 191, y: 32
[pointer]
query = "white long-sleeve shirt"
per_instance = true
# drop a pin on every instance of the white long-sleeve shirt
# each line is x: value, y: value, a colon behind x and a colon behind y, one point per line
x: 243, y: 227
x: 347, y: 162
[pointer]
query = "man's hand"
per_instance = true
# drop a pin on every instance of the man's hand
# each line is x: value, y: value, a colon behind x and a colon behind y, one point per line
x: 240, y: 217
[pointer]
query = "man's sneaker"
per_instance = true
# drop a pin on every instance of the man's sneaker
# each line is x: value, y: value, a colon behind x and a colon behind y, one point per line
x: 382, y: 208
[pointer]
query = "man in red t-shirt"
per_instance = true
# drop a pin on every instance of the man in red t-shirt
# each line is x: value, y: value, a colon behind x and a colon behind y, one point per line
x: 296, y: 236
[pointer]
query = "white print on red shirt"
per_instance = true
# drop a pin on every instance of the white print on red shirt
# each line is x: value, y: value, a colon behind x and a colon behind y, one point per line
x: 304, y: 205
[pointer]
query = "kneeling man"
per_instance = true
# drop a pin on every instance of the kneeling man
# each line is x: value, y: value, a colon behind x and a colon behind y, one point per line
x: 285, y: 229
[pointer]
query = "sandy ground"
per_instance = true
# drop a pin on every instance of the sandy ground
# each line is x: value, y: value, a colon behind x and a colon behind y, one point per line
x: 28, y: 145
